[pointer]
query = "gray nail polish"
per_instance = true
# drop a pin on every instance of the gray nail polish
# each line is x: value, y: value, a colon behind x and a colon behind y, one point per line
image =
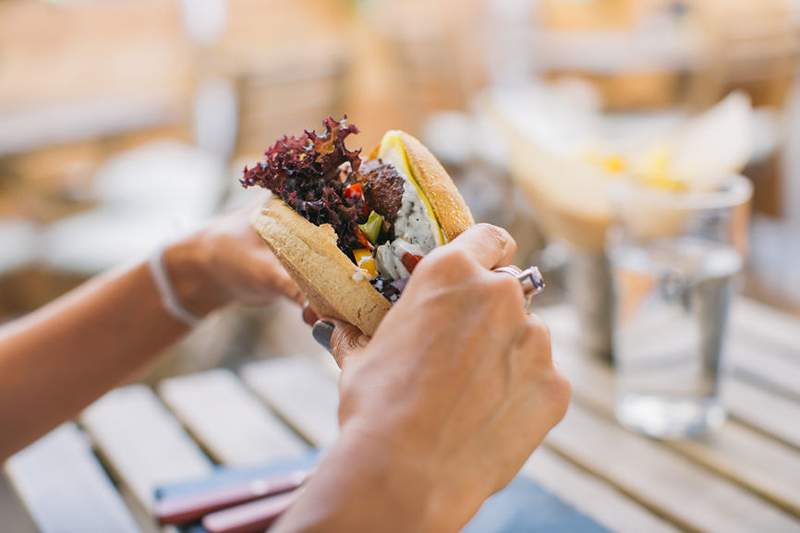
x: 322, y: 332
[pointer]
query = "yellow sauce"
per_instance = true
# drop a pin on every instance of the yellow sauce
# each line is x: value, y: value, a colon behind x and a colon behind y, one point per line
x: 393, y: 151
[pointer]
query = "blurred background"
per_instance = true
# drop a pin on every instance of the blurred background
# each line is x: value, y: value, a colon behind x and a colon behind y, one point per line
x: 125, y: 122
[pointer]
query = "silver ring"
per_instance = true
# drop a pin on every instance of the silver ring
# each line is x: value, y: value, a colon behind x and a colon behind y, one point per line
x: 530, y: 280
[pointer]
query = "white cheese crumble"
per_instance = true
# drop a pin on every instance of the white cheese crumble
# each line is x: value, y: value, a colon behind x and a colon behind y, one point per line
x: 413, y: 224
x: 359, y: 274
x: 414, y: 233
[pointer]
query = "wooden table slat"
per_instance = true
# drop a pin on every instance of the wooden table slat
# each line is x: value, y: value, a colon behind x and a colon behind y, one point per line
x: 142, y: 442
x: 756, y: 363
x: 662, y: 480
x: 763, y: 321
x: 747, y: 402
x: 764, y: 347
x: 590, y: 495
x: 228, y: 420
x: 775, y: 416
x: 759, y: 463
x: 302, y: 392
x: 64, y: 487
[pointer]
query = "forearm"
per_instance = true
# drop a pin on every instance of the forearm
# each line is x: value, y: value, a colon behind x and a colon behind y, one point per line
x: 361, y: 487
x: 59, y: 359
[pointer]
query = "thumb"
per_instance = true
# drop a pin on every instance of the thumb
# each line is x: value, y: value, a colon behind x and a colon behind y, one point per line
x: 341, y: 339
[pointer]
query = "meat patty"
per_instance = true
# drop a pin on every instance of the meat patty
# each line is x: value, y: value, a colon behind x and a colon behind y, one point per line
x: 383, y: 188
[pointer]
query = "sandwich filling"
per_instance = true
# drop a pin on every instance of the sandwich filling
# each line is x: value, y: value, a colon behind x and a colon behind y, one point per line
x: 382, y: 219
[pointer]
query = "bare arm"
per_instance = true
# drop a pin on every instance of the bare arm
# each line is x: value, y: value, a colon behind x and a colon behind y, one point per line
x: 60, y: 358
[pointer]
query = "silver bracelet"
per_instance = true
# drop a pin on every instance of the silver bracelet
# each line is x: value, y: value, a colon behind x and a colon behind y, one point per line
x: 169, y: 299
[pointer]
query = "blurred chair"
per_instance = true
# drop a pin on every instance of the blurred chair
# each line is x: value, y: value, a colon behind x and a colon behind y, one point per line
x: 109, y: 76
x: 434, y: 50
x: 143, y: 197
x: 285, y: 64
x: 288, y: 96
x: 640, y: 54
x: 757, y: 45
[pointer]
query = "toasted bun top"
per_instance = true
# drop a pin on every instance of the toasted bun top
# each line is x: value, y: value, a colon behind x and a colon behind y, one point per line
x: 323, y: 272
x: 452, y: 213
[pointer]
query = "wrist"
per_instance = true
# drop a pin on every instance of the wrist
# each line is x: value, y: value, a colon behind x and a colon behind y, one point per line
x: 360, y: 487
x: 187, y: 266
x: 404, y: 490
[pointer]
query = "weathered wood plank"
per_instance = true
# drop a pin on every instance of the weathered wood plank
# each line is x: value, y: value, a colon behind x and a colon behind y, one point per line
x: 64, y: 487
x: 765, y: 364
x: 753, y: 405
x: 302, y: 392
x: 767, y: 468
x: 775, y: 416
x: 591, y: 495
x: 760, y: 464
x: 142, y: 442
x: 16, y: 517
x: 764, y: 347
x: 661, y: 479
x: 760, y: 320
x: 228, y: 420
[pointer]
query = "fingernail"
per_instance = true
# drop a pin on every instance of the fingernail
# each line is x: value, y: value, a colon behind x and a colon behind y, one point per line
x: 322, y: 332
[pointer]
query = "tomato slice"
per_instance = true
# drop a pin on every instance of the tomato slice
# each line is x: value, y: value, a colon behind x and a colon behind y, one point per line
x: 354, y: 191
x: 410, y: 261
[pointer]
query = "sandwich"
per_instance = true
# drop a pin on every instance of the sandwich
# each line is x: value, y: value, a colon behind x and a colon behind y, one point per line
x: 351, y: 230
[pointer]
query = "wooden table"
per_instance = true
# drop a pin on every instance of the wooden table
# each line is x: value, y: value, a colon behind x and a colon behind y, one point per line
x: 98, y: 473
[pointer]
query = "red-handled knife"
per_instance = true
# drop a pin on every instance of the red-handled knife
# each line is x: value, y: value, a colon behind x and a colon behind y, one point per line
x: 184, y: 509
x: 250, y: 517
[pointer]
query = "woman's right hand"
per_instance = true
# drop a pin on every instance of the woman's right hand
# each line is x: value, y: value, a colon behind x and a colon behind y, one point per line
x: 457, y: 387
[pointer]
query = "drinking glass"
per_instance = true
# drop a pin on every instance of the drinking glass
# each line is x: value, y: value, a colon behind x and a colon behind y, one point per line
x: 674, y: 256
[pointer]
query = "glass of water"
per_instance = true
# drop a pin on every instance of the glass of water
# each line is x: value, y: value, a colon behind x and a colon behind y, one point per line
x: 674, y: 256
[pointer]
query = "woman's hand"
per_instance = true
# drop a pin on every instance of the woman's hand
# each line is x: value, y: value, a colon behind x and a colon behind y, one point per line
x: 227, y: 262
x: 443, y: 405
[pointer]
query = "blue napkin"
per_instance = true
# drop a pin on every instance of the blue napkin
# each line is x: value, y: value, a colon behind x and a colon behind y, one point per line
x: 525, y: 507
x: 522, y: 507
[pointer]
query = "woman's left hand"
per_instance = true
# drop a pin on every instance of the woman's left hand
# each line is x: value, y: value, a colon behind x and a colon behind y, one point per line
x: 227, y: 262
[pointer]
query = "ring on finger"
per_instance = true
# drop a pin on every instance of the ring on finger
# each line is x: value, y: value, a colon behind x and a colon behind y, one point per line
x: 530, y: 280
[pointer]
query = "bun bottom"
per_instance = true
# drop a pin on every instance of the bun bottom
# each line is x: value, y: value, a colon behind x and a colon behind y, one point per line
x: 324, y: 273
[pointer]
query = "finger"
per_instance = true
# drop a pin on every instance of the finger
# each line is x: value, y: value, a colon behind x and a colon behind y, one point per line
x: 491, y: 246
x: 309, y: 315
x: 347, y: 342
x: 341, y: 339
